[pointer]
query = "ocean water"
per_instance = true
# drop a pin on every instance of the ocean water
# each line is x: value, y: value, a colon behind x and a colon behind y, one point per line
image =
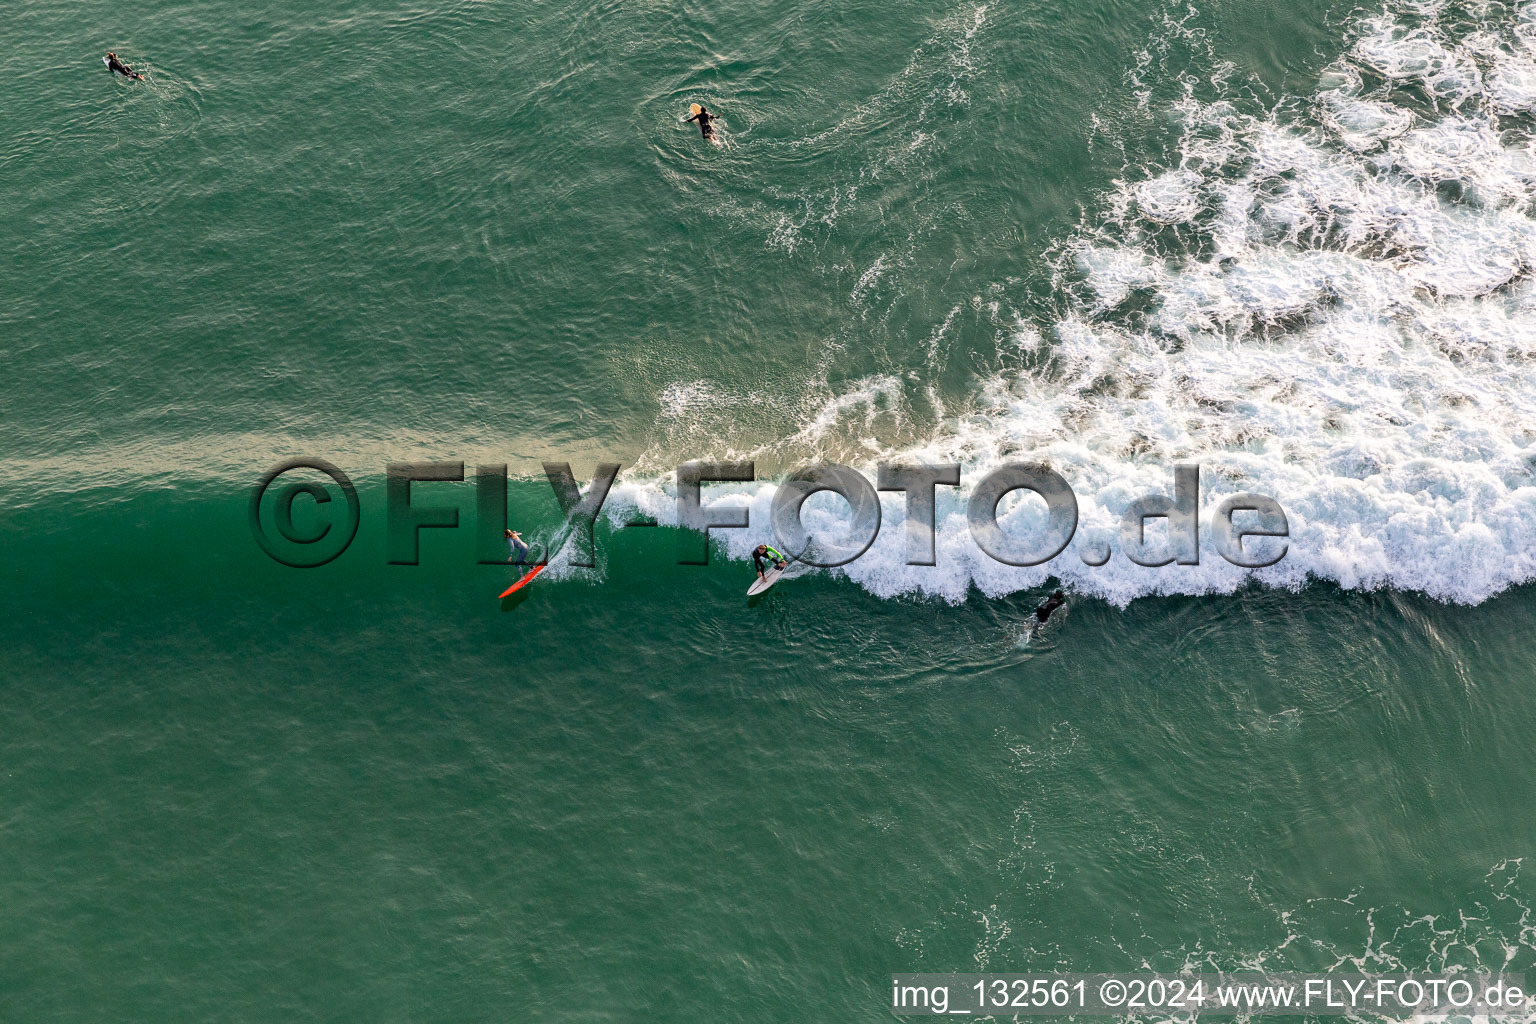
x: 1289, y: 243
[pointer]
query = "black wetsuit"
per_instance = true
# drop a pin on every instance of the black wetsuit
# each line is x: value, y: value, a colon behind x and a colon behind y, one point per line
x: 1053, y: 602
x: 761, y: 552
x: 113, y: 64
x: 704, y: 118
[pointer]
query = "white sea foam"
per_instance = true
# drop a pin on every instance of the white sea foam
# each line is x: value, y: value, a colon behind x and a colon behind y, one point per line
x: 685, y: 397
x: 1363, y: 125
x: 1346, y: 323
x: 1170, y: 198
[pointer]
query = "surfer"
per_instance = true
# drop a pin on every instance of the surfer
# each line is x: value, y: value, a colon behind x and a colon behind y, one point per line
x: 517, y: 547
x: 763, y: 551
x: 697, y: 113
x: 118, y: 67
x: 1053, y: 602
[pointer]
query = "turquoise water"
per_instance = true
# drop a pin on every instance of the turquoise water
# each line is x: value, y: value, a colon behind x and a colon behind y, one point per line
x: 1289, y: 244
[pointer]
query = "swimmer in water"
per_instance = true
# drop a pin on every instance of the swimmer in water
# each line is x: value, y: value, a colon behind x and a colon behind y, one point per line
x: 704, y: 117
x: 1053, y: 602
x: 118, y: 67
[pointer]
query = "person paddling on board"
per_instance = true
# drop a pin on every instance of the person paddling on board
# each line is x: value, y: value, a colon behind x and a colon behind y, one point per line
x: 517, y: 546
x: 763, y: 551
x: 1053, y: 602
x: 704, y: 117
x: 117, y: 66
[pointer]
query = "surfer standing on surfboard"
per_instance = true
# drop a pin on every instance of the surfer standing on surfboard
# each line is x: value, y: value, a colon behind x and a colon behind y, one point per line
x: 117, y: 66
x: 697, y: 113
x: 517, y: 546
x: 763, y: 551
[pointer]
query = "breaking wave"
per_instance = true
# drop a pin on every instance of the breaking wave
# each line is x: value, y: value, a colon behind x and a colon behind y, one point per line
x: 1326, y: 299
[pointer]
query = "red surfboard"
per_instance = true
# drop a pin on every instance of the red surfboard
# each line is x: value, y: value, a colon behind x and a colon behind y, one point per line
x: 520, y: 583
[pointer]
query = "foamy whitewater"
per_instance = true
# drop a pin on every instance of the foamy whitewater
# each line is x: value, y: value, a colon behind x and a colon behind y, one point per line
x: 1325, y: 301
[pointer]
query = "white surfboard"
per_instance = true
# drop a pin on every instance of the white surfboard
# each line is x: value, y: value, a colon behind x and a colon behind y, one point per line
x: 769, y: 579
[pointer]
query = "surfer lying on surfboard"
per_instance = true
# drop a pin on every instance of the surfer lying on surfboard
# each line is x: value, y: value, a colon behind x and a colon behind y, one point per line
x: 1053, y: 602
x: 704, y: 117
x: 761, y: 552
x: 117, y: 66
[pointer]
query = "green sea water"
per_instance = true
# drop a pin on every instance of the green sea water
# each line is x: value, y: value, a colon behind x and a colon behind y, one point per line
x: 233, y: 790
